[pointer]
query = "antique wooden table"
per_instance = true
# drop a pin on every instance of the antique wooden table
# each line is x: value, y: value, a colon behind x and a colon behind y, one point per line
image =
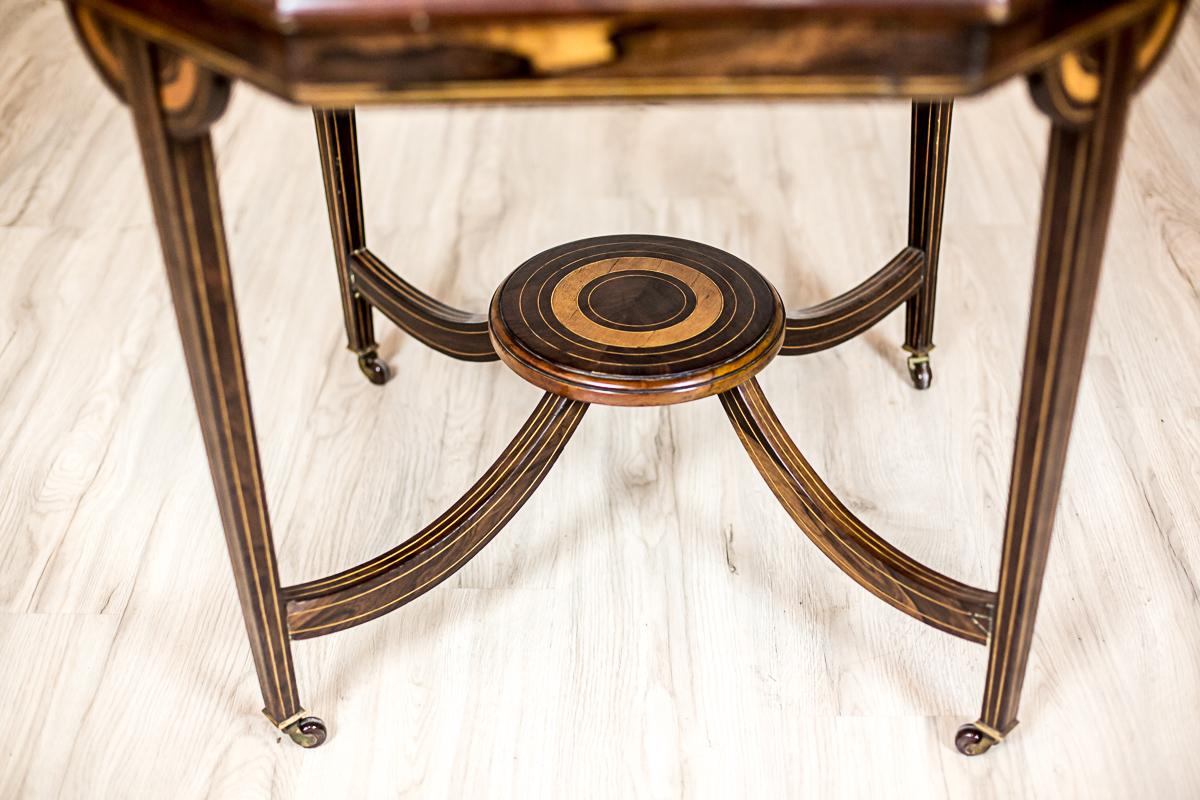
x: 631, y: 319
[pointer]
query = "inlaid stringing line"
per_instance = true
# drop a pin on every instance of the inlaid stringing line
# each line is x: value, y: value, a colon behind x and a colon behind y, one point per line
x: 352, y: 117
x: 456, y: 512
x: 377, y: 268
x: 939, y: 206
x: 1092, y: 147
x: 206, y: 314
x: 753, y: 397
x: 872, y: 320
x: 563, y: 298
x: 401, y: 318
x: 564, y: 427
x: 370, y: 262
x: 1033, y: 495
x: 243, y: 400
x: 543, y: 427
x: 931, y: 227
x: 656, y: 352
x: 353, y: 237
x: 626, y: 243
x: 651, y: 353
x: 362, y: 321
x: 821, y: 344
x: 769, y: 468
x: 330, y: 202
x: 587, y: 302
x: 920, y: 229
x: 789, y: 450
x: 352, y: 242
x: 747, y: 431
x: 166, y: 154
x: 1052, y: 159
x: 921, y: 226
x: 997, y: 669
x: 160, y: 151
x: 405, y: 324
x: 365, y: 318
x: 825, y: 544
x: 918, y: 259
x: 380, y: 273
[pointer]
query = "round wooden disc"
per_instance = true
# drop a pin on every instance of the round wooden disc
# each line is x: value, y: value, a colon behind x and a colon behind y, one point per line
x: 636, y: 320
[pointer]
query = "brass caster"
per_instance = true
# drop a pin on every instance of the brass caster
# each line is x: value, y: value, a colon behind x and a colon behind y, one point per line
x: 919, y: 371
x: 308, y: 732
x: 972, y: 741
x: 377, y: 371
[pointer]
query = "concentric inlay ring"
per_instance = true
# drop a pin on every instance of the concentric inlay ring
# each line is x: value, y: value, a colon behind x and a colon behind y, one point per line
x: 636, y: 320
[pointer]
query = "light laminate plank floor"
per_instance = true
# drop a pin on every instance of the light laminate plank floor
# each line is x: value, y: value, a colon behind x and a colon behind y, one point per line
x: 651, y: 624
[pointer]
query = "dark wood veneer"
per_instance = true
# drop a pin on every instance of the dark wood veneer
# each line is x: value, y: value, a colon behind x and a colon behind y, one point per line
x: 722, y: 49
x: 656, y: 332
x: 864, y: 555
x: 366, y: 281
x: 728, y: 325
x: 183, y: 192
x: 828, y: 324
x: 404, y: 573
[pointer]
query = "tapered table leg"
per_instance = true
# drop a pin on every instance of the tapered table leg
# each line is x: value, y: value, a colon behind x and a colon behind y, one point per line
x: 337, y: 140
x: 1081, y: 173
x: 926, y: 199
x: 183, y: 191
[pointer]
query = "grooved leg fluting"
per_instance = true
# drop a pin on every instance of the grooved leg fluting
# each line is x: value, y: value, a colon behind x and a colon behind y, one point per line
x: 337, y: 140
x: 864, y: 555
x: 183, y: 190
x: 927, y: 190
x: 639, y: 320
x: 366, y: 282
x: 443, y: 547
x: 1081, y: 172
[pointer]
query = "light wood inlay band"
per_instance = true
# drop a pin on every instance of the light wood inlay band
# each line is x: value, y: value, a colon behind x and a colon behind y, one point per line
x: 565, y: 302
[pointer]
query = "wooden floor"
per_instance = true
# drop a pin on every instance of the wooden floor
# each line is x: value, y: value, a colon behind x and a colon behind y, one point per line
x: 651, y: 624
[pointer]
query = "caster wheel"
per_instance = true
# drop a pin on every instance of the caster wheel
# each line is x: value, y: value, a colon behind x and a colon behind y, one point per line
x: 308, y: 732
x: 377, y: 371
x: 920, y: 372
x: 971, y: 741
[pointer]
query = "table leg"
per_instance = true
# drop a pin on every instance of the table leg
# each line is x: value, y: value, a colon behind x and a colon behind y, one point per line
x: 927, y: 194
x: 183, y: 190
x: 337, y: 140
x: 1081, y: 171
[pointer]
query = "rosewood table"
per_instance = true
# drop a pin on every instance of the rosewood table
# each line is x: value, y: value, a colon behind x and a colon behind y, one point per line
x: 631, y: 319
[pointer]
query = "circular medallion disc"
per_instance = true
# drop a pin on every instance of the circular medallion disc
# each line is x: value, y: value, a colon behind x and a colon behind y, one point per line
x: 636, y: 320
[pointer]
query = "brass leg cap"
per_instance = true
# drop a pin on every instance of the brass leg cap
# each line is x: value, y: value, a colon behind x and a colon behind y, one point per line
x: 972, y: 741
x: 920, y: 372
x: 376, y: 370
x: 308, y: 732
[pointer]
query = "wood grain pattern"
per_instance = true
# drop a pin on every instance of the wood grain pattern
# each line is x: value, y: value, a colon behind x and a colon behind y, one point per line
x: 636, y: 320
x: 337, y: 143
x: 108, y: 505
x: 192, y: 97
x: 302, y: 14
x: 1081, y: 172
x: 841, y: 318
x: 1068, y: 88
x: 740, y: 51
x: 405, y: 572
x: 181, y: 175
x: 365, y: 280
x: 927, y: 198
x: 448, y: 330
x: 872, y: 562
